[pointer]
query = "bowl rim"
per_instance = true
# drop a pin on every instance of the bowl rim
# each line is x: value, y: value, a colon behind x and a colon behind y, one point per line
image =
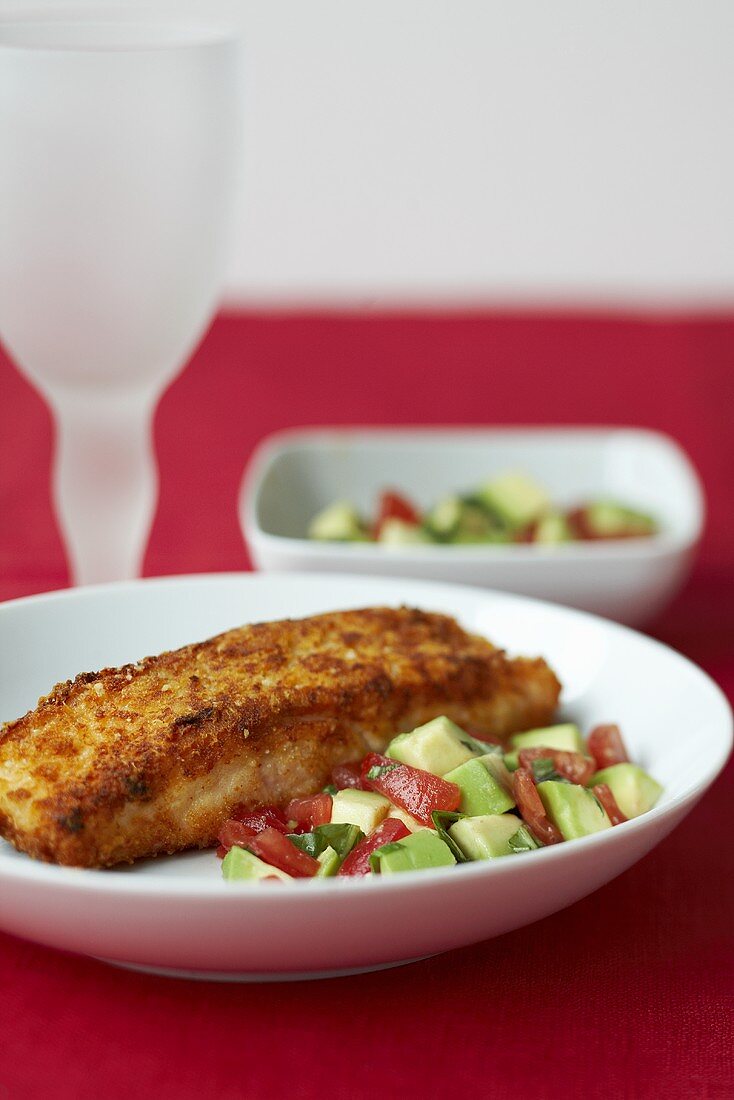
x: 120, y: 883
x: 273, y: 445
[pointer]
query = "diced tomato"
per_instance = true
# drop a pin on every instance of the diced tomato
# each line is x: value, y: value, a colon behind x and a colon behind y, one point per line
x: 604, y: 793
x: 233, y: 832
x: 309, y: 812
x: 571, y: 765
x: 579, y: 524
x: 528, y: 533
x: 348, y: 776
x: 358, y: 860
x: 532, y: 809
x: 277, y: 850
x: 221, y: 851
x: 393, y: 505
x: 582, y: 528
x: 418, y: 792
x: 266, y: 817
x: 607, y: 747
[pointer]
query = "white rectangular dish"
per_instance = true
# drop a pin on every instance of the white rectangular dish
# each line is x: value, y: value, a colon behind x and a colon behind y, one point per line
x: 295, y: 474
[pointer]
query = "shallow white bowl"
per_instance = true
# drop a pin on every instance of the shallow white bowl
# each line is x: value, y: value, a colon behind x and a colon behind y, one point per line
x: 294, y: 474
x: 178, y: 916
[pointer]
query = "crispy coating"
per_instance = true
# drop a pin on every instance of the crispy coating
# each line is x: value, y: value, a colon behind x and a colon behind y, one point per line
x: 150, y: 758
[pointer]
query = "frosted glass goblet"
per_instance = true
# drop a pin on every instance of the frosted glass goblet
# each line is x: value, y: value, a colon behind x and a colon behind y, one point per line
x: 117, y: 189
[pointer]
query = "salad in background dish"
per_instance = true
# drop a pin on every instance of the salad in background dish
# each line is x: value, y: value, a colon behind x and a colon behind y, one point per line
x: 511, y: 508
x: 440, y: 797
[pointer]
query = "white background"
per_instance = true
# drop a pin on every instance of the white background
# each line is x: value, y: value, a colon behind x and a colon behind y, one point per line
x: 481, y: 152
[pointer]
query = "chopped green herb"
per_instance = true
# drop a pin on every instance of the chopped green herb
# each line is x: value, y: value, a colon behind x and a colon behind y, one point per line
x: 523, y: 840
x: 379, y: 770
x: 481, y: 747
x: 330, y: 789
x: 442, y: 822
x: 307, y: 842
x: 601, y: 808
x: 544, y: 769
x: 341, y: 837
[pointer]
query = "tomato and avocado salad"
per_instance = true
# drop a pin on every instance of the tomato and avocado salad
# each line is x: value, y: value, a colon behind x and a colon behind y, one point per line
x: 511, y: 508
x: 438, y: 797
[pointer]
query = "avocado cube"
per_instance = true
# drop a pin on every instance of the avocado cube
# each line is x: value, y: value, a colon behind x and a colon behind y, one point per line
x: 420, y: 851
x: 363, y: 808
x: 565, y: 736
x: 407, y: 819
x: 606, y: 519
x: 396, y: 532
x: 436, y: 747
x: 515, y: 498
x: 573, y: 809
x: 239, y: 865
x: 329, y: 863
x: 552, y: 529
x: 511, y: 761
x: 635, y: 791
x: 340, y: 522
x: 444, y: 518
x: 491, y: 836
x: 481, y: 791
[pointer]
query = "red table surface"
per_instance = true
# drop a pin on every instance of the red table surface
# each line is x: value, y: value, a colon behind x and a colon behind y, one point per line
x: 627, y: 993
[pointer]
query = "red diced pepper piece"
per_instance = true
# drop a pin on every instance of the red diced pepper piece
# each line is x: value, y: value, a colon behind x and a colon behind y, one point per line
x: 358, y: 860
x: 577, y: 520
x: 277, y: 850
x: 571, y: 765
x: 232, y: 833
x: 308, y: 813
x: 604, y: 793
x: 418, y: 792
x: 607, y: 747
x: 532, y: 809
x: 528, y: 533
x: 394, y: 505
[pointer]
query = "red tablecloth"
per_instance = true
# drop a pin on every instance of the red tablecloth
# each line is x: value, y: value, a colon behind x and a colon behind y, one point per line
x: 626, y: 994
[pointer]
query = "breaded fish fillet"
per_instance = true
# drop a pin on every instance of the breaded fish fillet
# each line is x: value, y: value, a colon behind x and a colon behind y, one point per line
x: 150, y: 758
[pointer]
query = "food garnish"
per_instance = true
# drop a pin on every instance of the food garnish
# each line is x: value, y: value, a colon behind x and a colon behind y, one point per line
x: 510, y: 508
x: 395, y: 817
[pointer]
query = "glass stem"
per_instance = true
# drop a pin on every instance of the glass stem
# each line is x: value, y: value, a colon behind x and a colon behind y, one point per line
x: 105, y: 481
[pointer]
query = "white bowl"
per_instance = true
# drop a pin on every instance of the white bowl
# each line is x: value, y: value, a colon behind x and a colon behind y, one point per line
x: 177, y: 915
x: 294, y: 474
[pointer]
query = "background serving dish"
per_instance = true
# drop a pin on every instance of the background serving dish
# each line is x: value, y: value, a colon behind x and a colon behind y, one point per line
x: 294, y: 474
x: 177, y: 915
